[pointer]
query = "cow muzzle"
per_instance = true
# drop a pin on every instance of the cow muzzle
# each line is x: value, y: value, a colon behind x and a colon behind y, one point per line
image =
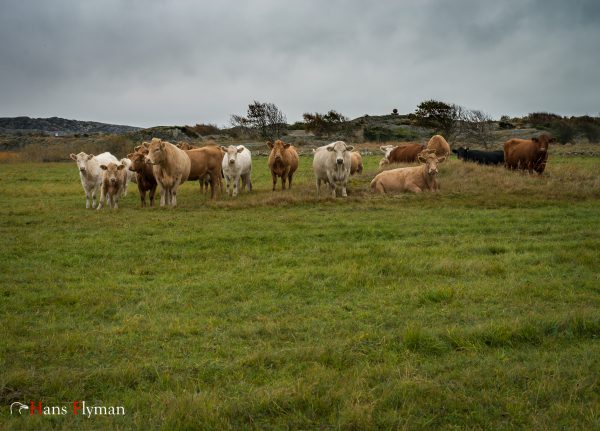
x: 81, y: 169
x: 340, y: 161
x: 232, y: 162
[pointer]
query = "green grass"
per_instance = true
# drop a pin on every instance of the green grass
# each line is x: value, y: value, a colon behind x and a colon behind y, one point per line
x: 476, y: 307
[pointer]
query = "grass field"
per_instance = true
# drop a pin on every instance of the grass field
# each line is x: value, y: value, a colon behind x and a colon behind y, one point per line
x: 477, y: 307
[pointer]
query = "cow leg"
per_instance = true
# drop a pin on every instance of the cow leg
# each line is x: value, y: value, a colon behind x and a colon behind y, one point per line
x: 143, y: 198
x: 163, y: 196
x: 126, y: 183
x: 344, y: 192
x: 283, y: 182
x: 318, y: 186
x: 243, y: 178
x: 290, y: 181
x: 229, y: 185
x: 87, y: 199
x: 413, y: 188
x: 101, y: 201
x: 236, y: 185
x: 249, y: 183
x: 333, y: 190
x: 116, y: 202
x: 274, y: 180
x: 152, y: 192
x: 174, y: 197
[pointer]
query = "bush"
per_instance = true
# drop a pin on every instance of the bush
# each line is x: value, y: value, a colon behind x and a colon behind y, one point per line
x: 562, y: 131
x: 382, y: 134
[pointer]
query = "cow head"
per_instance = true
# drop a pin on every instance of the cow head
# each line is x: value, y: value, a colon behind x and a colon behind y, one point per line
x: 111, y: 171
x: 543, y: 141
x: 156, y: 152
x: 430, y: 160
x: 82, y: 160
x: 461, y: 152
x: 278, y: 149
x: 387, y: 149
x: 138, y: 159
x: 339, y: 148
x: 231, y: 153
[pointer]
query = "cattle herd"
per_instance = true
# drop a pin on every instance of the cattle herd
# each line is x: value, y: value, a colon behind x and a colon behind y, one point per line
x: 160, y: 163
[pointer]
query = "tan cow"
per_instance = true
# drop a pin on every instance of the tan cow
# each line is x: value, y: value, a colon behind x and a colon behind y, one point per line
x: 206, y: 163
x: 357, y: 165
x: 527, y: 154
x: 170, y: 166
x: 283, y: 162
x: 413, y: 179
x: 114, y: 180
x: 440, y: 145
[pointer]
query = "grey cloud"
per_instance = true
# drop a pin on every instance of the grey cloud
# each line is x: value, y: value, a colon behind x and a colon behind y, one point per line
x: 173, y: 62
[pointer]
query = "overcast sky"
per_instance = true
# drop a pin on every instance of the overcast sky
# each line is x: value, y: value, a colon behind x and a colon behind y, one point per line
x: 148, y: 62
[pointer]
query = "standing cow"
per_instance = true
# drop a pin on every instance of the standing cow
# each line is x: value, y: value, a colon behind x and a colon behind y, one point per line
x: 283, y: 162
x: 143, y: 172
x: 439, y: 145
x: 206, y: 165
x: 237, y: 164
x: 527, y: 154
x: 170, y: 166
x: 90, y: 173
x: 332, y: 164
x: 114, y: 179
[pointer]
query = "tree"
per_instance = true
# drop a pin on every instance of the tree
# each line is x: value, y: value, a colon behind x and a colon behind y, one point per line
x: 325, y: 124
x: 441, y: 116
x: 477, y: 127
x: 265, y: 120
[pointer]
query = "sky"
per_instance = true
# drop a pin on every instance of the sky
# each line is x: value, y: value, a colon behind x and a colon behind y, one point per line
x: 163, y: 62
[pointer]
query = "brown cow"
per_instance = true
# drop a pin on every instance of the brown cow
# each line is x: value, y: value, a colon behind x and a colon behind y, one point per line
x: 527, y: 154
x: 143, y: 172
x: 356, y: 166
x: 171, y: 167
x: 283, y: 162
x: 405, y: 153
x: 185, y: 146
x: 440, y: 145
x: 206, y: 163
x: 114, y: 179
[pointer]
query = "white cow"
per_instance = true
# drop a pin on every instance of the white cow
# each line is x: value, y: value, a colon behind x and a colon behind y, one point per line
x: 91, y: 174
x: 131, y: 176
x: 236, y: 165
x: 386, y: 149
x: 332, y: 164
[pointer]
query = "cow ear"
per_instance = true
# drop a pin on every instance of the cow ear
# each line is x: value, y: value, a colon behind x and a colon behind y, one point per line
x: 455, y: 151
x: 329, y: 148
x: 73, y: 156
x: 90, y: 156
x: 121, y: 166
x: 286, y: 145
x: 441, y: 159
x: 222, y: 148
x: 535, y: 139
x: 240, y: 149
x: 103, y: 167
x: 130, y: 155
x: 382, y: 148
x: 421, y: 158
x: 270, y: 144
x: 137, y: 148
x: 161, y: 145
x: 350, y: 148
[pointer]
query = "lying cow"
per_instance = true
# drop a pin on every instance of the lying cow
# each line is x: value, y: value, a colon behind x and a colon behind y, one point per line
x: 237, y: 165
x: 357, y: 165
x: 332, y: 164
x: 406, y: 153
x: 411, y: 179
x: 482, y: 157
x: 170, y: 166
x: 439, y: 145
x: 283, y: 162
x: 386, y: 150
x: 143, y: 172
x: 527, y: 154
x: 114, y: 179
x: 90, y: 173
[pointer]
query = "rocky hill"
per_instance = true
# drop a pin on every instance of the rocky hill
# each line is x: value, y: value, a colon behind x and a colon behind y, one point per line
x: 59, y: 126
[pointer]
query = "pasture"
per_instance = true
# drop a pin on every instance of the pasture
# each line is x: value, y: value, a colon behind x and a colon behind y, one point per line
x: 476, y: 307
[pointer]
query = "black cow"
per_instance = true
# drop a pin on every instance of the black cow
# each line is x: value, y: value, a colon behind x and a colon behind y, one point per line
x: 481, y: 157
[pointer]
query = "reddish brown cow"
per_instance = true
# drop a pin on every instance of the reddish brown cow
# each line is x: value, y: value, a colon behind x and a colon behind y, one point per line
x: 527, y: 154
x: 283, y: 162
x: 206, y: 163
x: 143, y: 172
x: 405, y: 153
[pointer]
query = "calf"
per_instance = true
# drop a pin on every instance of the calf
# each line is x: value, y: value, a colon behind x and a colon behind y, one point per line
x: 481, y: 157
x: 283, y: 162
x: 236, y: 165
x: 332, y: 164
x: 144, y: 175
x: 412, y: 179
x: 114, y: 179
x: 90, y: 173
